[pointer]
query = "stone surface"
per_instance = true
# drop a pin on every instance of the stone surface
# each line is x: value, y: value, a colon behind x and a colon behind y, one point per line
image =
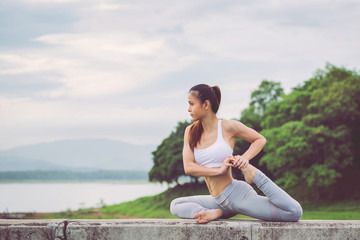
x: 309, y: 229
x: 61, y: 229
x: 32, y: 229
x: 157, y: 229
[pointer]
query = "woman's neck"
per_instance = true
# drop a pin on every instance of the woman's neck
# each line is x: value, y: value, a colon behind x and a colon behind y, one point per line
x: 210, y: 122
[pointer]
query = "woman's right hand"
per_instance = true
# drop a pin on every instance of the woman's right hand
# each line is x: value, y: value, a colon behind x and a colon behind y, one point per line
x: 228, y: 162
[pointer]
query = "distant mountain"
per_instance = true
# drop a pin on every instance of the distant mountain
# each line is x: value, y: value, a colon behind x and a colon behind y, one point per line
x: 79, y: 155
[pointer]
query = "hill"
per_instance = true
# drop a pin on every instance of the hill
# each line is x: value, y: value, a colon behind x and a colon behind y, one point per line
x: 79, y: 155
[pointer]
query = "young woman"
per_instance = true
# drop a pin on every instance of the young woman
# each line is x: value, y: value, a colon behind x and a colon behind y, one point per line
x: 207, y: 152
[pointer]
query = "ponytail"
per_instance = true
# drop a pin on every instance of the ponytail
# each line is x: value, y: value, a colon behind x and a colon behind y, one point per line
x: 217, y: 92
x: 213, y: 95
x: 195, y: 132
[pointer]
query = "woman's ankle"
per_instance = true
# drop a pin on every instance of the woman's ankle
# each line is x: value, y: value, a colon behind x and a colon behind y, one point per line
x: 249, y: 173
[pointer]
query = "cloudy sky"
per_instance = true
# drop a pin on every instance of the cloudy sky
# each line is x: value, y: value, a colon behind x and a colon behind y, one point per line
x: 73, y: 69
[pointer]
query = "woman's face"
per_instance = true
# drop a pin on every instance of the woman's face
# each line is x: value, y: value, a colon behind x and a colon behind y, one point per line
x: 195, y: 109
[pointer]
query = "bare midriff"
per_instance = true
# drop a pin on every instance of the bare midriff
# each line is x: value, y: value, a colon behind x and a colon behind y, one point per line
x: 217, y: 184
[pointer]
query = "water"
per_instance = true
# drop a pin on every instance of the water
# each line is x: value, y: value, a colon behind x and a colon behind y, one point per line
x: 56, y: 197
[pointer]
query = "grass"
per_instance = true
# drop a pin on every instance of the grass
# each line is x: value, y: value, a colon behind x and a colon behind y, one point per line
x: 344, y: 210
x: 157, y: 206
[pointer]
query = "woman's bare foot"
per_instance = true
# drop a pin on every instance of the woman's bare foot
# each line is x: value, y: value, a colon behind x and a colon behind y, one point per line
x: 207, y: 216
x: 249, y: 173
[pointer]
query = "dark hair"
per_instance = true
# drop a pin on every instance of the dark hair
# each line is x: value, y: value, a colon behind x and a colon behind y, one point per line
x: 204, y: 92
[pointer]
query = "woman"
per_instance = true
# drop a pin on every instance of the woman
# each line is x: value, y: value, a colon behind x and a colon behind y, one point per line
x: 207, y: 152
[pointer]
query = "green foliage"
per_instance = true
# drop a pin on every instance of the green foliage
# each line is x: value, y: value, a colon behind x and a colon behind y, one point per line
x: 313, y: 136
x: 265, y: 96
x: 251, y: 118
x: 168, y: 163
x: 267, y: 93
x: 291, y: 108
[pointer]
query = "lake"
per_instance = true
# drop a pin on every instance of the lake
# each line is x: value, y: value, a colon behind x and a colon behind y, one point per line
x: 56, y: 197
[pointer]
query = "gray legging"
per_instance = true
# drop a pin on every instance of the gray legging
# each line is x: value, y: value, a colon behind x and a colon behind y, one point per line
x: 240, y: 198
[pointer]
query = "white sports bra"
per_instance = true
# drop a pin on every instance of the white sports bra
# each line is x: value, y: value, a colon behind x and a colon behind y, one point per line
x: 215, y: 154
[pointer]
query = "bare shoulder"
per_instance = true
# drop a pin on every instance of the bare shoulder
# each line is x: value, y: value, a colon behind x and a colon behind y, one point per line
x: 231, y: 125
x: 239, y: 130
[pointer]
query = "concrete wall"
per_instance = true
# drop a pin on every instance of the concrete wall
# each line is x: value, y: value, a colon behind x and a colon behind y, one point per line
x: 62, y: 229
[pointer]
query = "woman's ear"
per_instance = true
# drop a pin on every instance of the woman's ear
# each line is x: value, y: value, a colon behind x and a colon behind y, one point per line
x: 207, y: 104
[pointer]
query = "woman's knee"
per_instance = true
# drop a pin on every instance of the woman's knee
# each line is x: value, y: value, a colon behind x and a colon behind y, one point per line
x: 173, y: 205
x: 298, y: 212
x: 295, y: 213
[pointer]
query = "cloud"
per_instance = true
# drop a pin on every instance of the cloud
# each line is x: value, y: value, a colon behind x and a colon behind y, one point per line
x: 47, y: 1
x: 265, y: 31
x: 97, y: 64
x: 110, y: 6
x: 107, y: 69
x: 108, y: 42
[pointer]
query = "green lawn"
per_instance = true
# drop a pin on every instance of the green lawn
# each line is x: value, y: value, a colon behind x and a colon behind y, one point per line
x: 344, y: 210
x: 158, y: 207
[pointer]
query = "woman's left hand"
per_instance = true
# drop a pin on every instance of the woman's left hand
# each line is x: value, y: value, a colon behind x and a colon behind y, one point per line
x: 240, y: 162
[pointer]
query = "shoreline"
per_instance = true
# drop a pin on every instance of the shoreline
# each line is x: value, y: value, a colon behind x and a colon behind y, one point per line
x: 107, y: 192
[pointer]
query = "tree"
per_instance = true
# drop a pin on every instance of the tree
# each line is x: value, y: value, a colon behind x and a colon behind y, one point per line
x: 268, y: 92
x: 168, y: 163
x: 313, y: 136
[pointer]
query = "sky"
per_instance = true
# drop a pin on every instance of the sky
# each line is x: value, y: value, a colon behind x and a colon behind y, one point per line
x: 121, y: 70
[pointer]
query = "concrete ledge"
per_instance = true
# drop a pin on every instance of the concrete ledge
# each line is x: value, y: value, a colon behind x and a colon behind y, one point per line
x: 62, y: 229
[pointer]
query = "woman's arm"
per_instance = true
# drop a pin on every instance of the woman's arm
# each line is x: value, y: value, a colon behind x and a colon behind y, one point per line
x: 194, y: 169
x: 239, y: 130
